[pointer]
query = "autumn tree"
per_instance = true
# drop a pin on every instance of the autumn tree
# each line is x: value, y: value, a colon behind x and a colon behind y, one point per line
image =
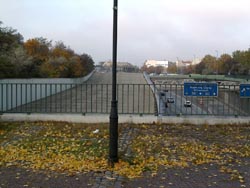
x: 60, y: 50
x: 226, y: 64
x: 243, y: 60
x: 87, y: 63
x: 37, y: 57
x: 208, y: 65
x: 10, y: 40
x: 172, y: 68
x: 38, y: 48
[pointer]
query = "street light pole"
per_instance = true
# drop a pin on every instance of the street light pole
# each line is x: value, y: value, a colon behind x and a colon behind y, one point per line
x: 217, y: 65
x: 113, y: 127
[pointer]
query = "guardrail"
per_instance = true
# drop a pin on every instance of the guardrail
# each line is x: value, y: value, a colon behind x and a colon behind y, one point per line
x: 155, y: 99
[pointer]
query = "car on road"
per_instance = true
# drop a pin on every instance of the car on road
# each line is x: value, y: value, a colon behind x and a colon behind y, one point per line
x: 187, y: 104
x: 170, y: 100
x: 162, y: 94
x: 165, y: 90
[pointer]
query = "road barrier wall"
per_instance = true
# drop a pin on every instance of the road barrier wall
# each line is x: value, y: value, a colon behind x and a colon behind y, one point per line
x: 17, y: 92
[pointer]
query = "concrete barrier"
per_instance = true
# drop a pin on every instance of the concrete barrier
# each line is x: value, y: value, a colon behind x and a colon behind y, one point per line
x: 132, y: 119
x: 16, y: 92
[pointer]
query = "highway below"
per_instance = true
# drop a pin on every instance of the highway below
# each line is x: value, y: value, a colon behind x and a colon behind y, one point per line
x: 94, y: 96
x: 227, y: 103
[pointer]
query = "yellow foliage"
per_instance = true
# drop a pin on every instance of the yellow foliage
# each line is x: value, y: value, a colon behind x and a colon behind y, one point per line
x: 75, y: 148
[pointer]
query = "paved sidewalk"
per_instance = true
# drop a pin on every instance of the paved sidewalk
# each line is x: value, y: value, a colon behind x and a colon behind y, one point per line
x: 233, y: 173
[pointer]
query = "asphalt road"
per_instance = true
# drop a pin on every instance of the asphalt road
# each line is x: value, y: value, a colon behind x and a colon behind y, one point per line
x: 94, y: 96
x: 226, y: 103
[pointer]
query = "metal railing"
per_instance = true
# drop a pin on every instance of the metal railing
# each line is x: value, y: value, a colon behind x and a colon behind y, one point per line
x: 158, y: 99
x: 75, y: 98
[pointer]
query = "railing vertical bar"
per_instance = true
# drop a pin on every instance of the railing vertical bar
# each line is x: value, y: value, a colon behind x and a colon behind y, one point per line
x: 197, y: 105
x: 223, y: 100
x: 21, y: 98
x: 46, y: 98
x: 41, y: 97
x: 143, y: 100
x: 16, y: 97
x: 149, y: 94
x: 138, y: 98
x: 31, y: 97
x: 65, y: 100
x: 56, y: 98
x: 213, y: 112
x: 81, y: 100
x: 133, y: 97
x: 61, y: 106
x: 26, y: 97
x: 157, y: 110
x: 11, y: 96
x: 50, y: 93
x: 234, y: 101
x: 96, y: 94
x: 107, y: 98
x: 161, y: 98
x: 248, y: 109
x: 1, y: 110
x: 86, y: 97
x: 218, y: 105
x: 101, y: 98
x: 71, y: 98
x: 229, y: 100
x: 122, y: 98
x: 239, y: 106
x: 7, y: 96
x: 35, y: 98
x: 76, y: 90
x: 91, y: 101
x: 182, y: 96
x: 176, y: 97
x: 128, y: 96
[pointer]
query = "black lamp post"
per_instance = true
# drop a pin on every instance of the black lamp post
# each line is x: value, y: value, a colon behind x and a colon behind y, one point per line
x: 113, y: 127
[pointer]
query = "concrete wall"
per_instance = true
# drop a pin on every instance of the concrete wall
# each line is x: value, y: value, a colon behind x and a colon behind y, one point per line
x: 16, y: 92
x: 147, y: 119
x: 154, y: 90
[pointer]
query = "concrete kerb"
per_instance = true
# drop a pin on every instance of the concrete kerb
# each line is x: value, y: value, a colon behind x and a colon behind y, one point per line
x: 131, y: 119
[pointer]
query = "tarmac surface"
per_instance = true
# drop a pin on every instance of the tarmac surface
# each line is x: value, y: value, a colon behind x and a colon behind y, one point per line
x: 94, y: 96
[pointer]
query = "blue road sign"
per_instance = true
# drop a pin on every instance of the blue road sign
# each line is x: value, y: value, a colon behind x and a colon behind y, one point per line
x: 244, y: 90
x: 201, y: 89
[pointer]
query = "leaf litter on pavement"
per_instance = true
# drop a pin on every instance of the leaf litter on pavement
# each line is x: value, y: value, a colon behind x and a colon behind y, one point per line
x: 79, y: 148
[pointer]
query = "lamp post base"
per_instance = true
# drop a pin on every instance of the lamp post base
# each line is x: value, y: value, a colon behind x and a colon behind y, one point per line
x: 113, y: 132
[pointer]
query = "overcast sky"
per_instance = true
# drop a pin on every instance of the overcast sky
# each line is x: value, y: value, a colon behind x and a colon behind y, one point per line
x: 148, y: 29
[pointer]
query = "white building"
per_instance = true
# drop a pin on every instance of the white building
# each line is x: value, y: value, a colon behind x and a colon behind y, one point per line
x: 155, y: 63
x: 187, y: 63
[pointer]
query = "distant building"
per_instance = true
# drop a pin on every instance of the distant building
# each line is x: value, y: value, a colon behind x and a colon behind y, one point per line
x: 155, y: 63
x: 121, y: 66
x: 187, y: 63
x: 183, y: 63
x: 196, y: 61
